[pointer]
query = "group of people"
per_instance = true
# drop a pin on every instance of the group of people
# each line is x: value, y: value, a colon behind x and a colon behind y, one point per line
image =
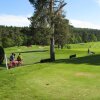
x: 13, y: 61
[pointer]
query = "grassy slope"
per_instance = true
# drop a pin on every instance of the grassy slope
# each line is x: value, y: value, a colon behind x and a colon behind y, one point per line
x: 76, y: 79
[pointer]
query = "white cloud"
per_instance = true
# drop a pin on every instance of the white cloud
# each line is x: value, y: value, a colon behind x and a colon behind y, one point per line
x: 84, y: 24
x: 12, y: 20
x: 98, y: 1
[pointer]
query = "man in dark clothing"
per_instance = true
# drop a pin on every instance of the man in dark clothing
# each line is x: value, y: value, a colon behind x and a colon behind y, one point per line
x: 12, y: 57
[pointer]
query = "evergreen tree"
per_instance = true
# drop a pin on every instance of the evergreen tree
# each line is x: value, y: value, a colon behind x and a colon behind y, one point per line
x: 44, y: 16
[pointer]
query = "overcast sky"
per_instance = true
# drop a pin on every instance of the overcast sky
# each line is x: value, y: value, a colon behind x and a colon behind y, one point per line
x: 81, y: 13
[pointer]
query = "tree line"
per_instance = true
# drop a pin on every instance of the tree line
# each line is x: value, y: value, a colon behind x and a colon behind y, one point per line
x: 25, y: 36
x: 83, y: 35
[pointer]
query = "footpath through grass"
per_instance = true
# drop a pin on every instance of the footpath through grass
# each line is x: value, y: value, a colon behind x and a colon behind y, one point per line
x: 64, y: 79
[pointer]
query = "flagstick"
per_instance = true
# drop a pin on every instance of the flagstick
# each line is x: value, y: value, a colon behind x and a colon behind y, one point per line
x: 6, y: 61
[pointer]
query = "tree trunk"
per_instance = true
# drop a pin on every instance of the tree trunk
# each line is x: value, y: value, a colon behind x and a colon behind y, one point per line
x: 62, y: 46
x: 52, y: 51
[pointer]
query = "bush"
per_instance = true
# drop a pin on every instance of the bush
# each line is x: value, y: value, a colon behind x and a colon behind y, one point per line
x: 68, y: 47
x: 1, y: 54
x: 7, y: 42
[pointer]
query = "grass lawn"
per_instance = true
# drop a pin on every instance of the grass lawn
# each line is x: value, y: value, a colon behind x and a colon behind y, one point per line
x: 64, y: 79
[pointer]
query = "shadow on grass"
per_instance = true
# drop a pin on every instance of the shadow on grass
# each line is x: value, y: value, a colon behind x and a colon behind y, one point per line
x: 32, y: 51
x: 91, y: 60
x: 30, y: 64
x: 2, y: 66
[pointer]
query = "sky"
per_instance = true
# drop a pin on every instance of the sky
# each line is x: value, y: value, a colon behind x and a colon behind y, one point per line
x: 81, y: 13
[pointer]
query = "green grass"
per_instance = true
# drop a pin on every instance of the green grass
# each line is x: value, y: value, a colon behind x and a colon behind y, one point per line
x: 64, y: 79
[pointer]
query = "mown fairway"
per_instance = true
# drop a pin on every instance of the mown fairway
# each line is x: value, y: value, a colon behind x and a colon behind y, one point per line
x: 64, y: 79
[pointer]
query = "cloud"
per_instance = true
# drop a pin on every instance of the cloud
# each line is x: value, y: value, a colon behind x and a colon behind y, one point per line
x: 12, y: 20
x: 98, y: 1
x: 84, y: 24
x: 20, y: 21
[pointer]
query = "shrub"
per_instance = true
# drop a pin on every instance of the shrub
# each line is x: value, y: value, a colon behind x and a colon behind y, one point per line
x: 1, y: 54
x: 68, y: 47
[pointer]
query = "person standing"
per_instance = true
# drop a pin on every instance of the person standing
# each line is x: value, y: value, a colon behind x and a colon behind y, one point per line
x: 88, y: 51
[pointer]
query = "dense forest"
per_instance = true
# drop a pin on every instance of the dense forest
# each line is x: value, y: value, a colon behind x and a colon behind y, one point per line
x: 79, y: 35
x: 13, y: 36
x: 17, y: 36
